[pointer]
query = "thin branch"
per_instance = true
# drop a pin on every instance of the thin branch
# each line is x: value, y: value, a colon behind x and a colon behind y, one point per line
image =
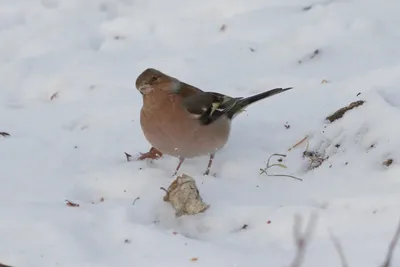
x: 298, y: 143
x: 166, y: 191
x: 302, y: 239
x: 134, y: 201
x: 391, y: 248
x: 339, y: 249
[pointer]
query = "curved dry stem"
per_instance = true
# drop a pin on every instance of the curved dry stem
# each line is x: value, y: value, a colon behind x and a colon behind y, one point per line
x: 277, y: 164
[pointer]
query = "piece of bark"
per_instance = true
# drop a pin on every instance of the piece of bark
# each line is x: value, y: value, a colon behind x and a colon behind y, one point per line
x: 185, y: 197
x: 339, y: 114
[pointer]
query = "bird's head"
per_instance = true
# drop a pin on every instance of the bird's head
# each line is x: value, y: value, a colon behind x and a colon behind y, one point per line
x: 152, y: 79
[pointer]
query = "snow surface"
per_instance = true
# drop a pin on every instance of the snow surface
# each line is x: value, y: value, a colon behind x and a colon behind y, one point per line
x: 89, y: 54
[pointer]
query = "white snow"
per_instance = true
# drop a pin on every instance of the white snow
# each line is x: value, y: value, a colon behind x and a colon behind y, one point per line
x: 89, y: 54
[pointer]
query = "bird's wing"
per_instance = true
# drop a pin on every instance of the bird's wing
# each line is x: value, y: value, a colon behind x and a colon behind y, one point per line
x: 208, y: 106
x: 187, y: 90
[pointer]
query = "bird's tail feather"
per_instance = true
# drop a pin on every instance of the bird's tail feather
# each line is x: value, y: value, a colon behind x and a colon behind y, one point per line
x: 241, y: 104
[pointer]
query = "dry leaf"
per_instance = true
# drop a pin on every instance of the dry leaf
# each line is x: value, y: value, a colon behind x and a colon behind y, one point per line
x: 71, y: 204
x: 194, y: 259
x: 184, y: 196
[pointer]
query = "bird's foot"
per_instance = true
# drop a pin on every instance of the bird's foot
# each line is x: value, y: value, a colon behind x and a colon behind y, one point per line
x: 181, y: 160
x: 207, y: 172
x: 152, y: 154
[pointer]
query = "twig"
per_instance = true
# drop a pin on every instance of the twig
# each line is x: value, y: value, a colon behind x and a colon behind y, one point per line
x: 162, y: 188
x: 128, y: 156
x: 315, y: 53
x: 322, y: 3
x: 391, y: 248
x: 339, y: 249
x: 339, y: 113
x: 280, y: 165
x: 54, y: 96
x: 298, y: 143
x: 134, y: 201
x: 301, y: 239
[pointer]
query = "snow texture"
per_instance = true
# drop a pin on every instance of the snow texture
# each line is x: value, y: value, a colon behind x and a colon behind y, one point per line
x: 69, y: 102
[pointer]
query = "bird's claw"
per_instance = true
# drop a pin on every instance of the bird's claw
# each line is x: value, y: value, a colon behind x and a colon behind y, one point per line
x: 152, y: 154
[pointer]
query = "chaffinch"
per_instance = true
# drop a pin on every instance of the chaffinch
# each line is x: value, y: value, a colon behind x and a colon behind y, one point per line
x: 183, y: 121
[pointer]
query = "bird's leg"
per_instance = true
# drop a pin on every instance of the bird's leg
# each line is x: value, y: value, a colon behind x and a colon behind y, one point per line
x: 210, y: 161
x: 181, y: 160
x: 152, y: 154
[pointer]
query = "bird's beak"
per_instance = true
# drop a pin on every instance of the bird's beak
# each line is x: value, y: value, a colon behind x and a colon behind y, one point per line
x: 145, y: 89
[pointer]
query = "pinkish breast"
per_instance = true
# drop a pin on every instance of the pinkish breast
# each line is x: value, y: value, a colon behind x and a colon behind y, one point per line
x: 169, y: 128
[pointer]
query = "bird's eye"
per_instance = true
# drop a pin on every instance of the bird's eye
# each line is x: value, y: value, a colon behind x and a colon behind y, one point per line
x: 153, y: 79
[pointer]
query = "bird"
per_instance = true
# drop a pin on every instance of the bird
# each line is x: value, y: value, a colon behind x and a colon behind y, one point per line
x: 183, y: 121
